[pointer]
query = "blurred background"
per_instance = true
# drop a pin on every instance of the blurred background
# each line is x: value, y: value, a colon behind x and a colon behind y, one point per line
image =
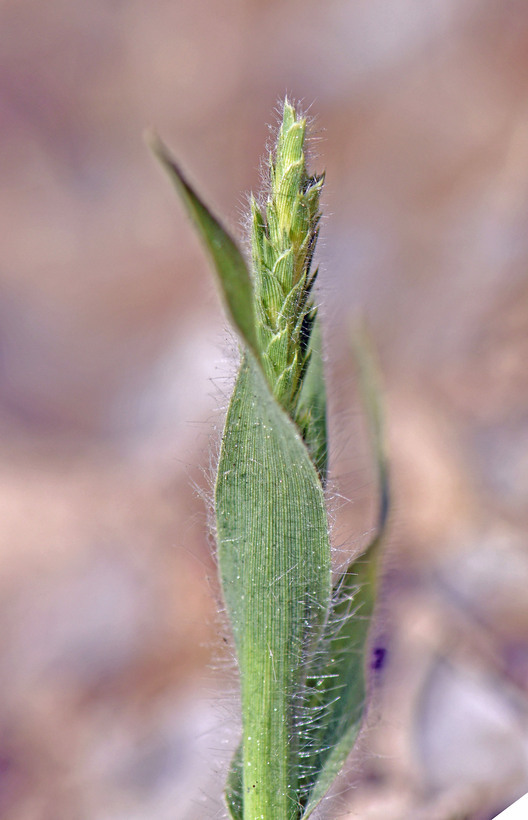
x: 117, y: 687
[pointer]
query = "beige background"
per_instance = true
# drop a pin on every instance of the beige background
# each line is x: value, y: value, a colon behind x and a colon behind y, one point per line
x: 117, y: 702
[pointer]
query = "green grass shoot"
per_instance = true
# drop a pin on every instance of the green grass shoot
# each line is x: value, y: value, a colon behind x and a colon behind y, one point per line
x: 301, y: 641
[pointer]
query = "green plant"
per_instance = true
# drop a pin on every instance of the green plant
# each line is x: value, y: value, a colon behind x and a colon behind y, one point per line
x: 301, y: 642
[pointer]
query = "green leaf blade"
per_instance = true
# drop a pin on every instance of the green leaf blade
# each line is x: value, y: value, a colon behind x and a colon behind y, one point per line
x: 274, y: 561
x: 231, y: 270
x: 343, y: 667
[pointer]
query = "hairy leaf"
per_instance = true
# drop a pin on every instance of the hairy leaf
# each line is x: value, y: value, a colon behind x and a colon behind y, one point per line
x: 274, y: 560
x: 339, y: 678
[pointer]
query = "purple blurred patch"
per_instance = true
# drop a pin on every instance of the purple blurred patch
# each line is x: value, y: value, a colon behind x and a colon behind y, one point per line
x: 379, y: 656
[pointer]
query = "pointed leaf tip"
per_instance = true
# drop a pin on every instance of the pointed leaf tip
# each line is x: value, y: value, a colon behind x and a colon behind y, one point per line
x: 231, y: 270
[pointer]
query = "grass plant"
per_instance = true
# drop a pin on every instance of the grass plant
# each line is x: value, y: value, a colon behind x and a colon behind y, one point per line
x: 301, y: 640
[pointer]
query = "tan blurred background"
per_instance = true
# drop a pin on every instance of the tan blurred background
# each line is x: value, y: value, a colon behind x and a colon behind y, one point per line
x: 116, y: 699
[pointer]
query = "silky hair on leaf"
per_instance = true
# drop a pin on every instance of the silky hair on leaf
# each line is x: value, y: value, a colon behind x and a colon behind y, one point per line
x: 301, y: 641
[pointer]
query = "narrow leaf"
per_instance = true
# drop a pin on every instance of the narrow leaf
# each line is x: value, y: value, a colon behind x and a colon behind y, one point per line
x: 370, y: 392
x: 339, y: 683
x: 233, y: 275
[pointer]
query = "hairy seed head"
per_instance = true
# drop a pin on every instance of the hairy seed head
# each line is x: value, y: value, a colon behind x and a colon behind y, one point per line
x: 283, y: 238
